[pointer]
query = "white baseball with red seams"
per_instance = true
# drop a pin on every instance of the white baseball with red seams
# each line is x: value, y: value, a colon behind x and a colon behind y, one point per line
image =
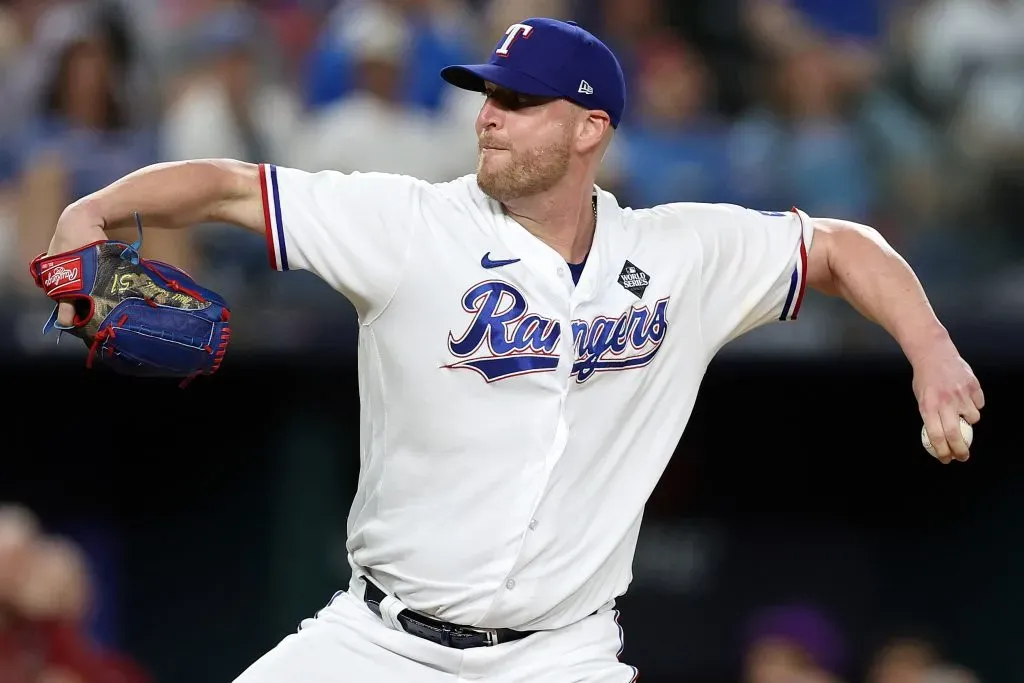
x: 966, y: 431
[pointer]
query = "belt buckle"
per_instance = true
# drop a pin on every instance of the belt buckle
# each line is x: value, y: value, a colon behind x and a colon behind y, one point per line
x: 490, y: 635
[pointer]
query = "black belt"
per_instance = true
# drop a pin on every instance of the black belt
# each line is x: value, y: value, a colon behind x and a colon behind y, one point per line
x: 441, y: 632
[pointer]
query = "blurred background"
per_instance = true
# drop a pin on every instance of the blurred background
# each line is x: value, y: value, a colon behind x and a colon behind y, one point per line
x: 194, y: 529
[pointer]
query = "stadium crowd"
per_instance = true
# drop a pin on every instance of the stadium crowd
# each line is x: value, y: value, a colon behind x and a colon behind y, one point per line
x: 906, y: 115
x: 46, y: 601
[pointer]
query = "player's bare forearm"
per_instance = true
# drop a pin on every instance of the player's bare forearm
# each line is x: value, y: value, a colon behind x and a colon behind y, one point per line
x: 168, y: 195
x: 855, y: 262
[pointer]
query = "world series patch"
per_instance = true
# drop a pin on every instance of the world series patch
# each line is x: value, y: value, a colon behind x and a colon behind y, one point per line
x: 634, y: 280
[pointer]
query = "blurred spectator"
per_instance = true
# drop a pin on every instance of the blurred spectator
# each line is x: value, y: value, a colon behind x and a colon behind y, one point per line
x: 800, y: 148
x: 222, y: 106
x: 851, y: 30
x: 438, y: 36
x: 227, y: 104
x: 370, y: 128
x: 968, y: 57
x: 294, y: 26
x: 912, y: 198
x: 625, y: 26
x: 30, y: 31
x: 911, y: 660
x: 55, y: 583
x: 717, y: 30
x: 793, y: 644
x: 45, y: 594
x: 83, y: 138
x: 27, y: 29
x: 18, y: 531
x: 675, y: 147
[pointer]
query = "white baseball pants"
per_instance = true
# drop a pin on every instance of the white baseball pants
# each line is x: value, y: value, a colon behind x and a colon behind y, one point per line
x: 346, y: 642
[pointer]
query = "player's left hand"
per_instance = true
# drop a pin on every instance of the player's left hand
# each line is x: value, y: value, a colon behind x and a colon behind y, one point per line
x: 946, y: 389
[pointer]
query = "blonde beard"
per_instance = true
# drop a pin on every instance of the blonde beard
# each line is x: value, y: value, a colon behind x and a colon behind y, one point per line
x: 524, y: 175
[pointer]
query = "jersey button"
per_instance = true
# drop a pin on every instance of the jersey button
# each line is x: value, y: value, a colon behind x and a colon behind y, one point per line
x: 510, y: 584
x: 533, y: 524
x: 561, y: 271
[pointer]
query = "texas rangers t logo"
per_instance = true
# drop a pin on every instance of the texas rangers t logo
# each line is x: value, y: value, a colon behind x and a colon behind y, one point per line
x: 513, y: 32
x: 505, y: 340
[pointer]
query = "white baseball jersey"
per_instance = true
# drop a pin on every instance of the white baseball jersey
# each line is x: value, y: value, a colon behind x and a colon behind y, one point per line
x: 514, y: 424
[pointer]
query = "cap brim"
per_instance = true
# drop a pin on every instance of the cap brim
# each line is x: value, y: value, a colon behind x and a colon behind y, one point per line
x: 474, y: 76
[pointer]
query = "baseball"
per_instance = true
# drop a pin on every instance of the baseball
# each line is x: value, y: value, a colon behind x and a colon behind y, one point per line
x: 965, y: 429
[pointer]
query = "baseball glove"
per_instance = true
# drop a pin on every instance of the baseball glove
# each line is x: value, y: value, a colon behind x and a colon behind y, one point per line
x: 139, y: 317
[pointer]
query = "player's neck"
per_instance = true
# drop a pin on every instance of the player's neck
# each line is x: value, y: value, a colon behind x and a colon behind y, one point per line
x: 563, y: 219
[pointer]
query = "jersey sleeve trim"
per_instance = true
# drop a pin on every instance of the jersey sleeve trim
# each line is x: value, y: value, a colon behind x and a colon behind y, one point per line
x: 277, y: 250
x: 798, y: 281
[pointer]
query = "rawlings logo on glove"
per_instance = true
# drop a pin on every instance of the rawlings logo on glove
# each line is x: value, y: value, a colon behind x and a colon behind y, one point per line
x: 62, y: 275
x: 138, y: 316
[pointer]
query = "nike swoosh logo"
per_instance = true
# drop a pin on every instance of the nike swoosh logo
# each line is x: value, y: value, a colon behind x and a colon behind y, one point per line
x: 487, y: 262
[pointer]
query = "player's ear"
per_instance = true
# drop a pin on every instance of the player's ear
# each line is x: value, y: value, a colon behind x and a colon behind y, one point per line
x: 591, y: 127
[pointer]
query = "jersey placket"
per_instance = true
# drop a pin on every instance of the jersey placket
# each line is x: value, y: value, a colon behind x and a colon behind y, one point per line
x: 551, y: 270
x: 548, y: 287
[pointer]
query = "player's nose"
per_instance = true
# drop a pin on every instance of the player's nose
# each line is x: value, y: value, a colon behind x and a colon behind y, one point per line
x: 490, y: 116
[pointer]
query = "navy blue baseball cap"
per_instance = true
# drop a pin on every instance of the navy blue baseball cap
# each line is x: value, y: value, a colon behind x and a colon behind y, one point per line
x: 550, y: 58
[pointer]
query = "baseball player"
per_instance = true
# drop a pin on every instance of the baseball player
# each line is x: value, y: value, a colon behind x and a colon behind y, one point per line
x: 529, y: 354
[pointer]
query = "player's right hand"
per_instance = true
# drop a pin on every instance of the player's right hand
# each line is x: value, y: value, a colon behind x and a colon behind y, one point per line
x: 946, y: 389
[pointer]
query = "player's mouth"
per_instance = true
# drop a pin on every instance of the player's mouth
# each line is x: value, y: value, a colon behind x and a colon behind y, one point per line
x: 484, y: 147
